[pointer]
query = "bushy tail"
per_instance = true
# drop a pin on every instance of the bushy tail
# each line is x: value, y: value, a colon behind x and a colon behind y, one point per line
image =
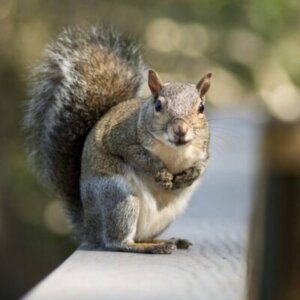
x: 82, y: 75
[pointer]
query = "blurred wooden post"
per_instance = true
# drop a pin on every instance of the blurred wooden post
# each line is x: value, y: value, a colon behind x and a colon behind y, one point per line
x: 274, y: 256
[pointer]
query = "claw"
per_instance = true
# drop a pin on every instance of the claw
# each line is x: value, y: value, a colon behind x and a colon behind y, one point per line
x: 181, y: 243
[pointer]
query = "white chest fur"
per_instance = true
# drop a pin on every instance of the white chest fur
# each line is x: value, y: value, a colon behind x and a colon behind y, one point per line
x: 157, y: 208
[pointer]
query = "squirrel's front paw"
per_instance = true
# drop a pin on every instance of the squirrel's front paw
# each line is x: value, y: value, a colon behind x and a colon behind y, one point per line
x: 164, y: 178
x: 185, y: 178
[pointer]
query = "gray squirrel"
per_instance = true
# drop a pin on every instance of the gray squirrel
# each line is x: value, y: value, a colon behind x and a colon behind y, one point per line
x: 124, y: 167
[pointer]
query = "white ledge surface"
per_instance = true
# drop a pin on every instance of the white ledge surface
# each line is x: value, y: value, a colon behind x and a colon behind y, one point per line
x: 216, y: 221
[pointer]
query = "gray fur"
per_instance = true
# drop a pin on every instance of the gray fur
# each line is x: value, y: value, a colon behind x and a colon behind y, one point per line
x: 181, y: 98
x: 110, y: 210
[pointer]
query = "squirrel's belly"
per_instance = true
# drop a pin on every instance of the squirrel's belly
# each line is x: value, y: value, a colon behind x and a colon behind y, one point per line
x: 158, y: 208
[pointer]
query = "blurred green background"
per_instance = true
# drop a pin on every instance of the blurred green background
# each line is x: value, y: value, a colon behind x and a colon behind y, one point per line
x: 251, y: 47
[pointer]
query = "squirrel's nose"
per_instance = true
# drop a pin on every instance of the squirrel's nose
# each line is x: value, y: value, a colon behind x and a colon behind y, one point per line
x: 180, y: 128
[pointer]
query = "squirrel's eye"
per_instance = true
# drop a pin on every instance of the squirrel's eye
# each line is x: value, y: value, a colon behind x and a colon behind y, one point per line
x: 201, y: 108
x: 157, y: 105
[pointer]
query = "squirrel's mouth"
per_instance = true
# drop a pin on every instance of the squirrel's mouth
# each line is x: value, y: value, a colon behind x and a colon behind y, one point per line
x: 180, y: 142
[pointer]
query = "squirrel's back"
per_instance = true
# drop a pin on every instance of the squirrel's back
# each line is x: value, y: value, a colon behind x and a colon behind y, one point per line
x: 81, y: 76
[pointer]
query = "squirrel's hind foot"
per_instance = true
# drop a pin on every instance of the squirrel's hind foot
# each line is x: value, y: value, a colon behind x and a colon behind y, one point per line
x: 178, y: 243
x: 163, y: 247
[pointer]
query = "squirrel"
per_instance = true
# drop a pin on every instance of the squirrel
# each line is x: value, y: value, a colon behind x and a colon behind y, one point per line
x: 124, y: 166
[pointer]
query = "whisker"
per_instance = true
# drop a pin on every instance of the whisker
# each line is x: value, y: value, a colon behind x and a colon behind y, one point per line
x: 224, y: 132
x: 217, y: 146
x: 223, y: 119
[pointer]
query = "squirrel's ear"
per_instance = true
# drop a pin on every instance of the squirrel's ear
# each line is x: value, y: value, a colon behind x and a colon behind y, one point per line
x: 154, y: 82
x: 203, y: 85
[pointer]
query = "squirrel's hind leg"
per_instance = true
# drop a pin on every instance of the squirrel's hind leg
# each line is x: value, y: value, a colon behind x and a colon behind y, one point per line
x: 110, y: 211
x: 111, y: 215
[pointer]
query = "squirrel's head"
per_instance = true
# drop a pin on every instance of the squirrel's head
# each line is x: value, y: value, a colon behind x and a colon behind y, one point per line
x: 176, y: 110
